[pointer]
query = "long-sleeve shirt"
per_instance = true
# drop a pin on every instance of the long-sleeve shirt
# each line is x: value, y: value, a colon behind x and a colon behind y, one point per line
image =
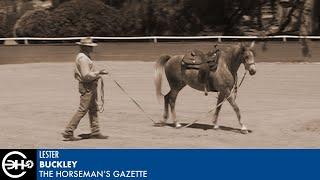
x: 84, y: 69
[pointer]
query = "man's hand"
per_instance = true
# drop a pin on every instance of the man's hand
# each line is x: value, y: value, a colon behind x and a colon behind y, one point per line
x: 103, y: 72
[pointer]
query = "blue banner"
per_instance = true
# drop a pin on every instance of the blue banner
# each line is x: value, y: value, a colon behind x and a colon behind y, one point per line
x: 178, y: 164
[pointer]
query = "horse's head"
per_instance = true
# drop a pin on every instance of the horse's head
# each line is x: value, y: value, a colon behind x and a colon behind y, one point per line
x: 247, y: 58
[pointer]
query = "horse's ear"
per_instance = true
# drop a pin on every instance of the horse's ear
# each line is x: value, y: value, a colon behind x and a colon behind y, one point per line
x: 252, y: 44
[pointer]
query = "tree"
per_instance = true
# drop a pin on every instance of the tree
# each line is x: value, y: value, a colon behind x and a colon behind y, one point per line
x: 73, y: 18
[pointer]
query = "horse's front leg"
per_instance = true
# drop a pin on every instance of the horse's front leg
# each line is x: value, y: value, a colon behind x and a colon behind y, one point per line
x: 235, y: 107
x: 217, y: 111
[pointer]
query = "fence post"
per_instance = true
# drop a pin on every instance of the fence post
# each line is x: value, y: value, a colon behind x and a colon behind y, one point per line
x: 284, y: 39
x: 219, y: 39
x: 26, y: 41
x: 155, y: 40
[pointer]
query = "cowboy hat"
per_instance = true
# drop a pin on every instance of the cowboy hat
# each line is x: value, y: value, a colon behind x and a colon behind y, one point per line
x: 86, y: 42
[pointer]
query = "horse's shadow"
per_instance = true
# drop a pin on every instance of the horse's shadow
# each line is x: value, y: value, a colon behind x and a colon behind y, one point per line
x: 207, y: 126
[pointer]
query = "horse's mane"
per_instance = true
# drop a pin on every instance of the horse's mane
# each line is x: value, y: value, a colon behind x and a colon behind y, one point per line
x: 231, y: 53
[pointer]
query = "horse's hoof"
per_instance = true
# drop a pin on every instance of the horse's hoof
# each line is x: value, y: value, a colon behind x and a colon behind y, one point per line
x: 244, y: 131
x: 160, y: 124
x: 216, y: 127
x: 178, y: 125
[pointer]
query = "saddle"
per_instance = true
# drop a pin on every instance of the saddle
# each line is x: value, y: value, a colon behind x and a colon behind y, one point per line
x: 198, y: 60
x: 204, y: 63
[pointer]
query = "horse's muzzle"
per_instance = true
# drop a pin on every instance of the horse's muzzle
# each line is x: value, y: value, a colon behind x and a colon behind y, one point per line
x: 252, y: 69
x: 252, y: 72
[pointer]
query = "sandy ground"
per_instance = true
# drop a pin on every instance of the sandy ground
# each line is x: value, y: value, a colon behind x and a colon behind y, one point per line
x: 280, y: 104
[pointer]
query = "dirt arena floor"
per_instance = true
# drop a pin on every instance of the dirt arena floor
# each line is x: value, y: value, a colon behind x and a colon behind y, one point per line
x: 280, y: 104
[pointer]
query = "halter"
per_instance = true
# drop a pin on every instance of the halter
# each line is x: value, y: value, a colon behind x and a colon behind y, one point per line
x: 249, y: 64
x: 244, y: 62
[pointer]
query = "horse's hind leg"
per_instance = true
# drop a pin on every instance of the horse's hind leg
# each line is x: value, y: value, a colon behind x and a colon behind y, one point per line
x: 166, y: 109
x: 237, y: 110
x: 172, y: 97
x: 175, y: 79
x: 218, y: 108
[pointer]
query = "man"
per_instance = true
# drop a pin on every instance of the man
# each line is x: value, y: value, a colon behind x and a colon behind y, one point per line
x: 88, y: 78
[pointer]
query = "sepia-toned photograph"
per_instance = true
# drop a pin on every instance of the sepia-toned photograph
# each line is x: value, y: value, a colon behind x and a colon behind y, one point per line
x: 190, y: 74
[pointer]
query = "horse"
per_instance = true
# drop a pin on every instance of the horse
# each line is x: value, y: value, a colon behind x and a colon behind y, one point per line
x: 222, y: 80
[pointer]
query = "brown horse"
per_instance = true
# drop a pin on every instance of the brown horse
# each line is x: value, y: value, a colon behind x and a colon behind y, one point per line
x: 222, y: 80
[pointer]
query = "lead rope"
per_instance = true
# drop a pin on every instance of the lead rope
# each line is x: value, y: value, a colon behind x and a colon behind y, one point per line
x: 236, y: 87
x: 132, y: 99
x: 101, y: 107
x: 234, y: 90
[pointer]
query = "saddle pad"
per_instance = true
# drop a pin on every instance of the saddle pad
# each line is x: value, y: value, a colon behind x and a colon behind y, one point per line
x: 212, y: 65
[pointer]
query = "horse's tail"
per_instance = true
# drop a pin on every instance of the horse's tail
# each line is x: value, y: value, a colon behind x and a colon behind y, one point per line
x: 159, y: 67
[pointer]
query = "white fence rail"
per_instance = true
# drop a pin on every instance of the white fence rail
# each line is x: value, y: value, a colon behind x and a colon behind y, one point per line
x: 156, y: 38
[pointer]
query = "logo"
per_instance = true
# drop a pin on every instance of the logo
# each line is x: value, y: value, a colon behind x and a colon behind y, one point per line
x: 15, y: 164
